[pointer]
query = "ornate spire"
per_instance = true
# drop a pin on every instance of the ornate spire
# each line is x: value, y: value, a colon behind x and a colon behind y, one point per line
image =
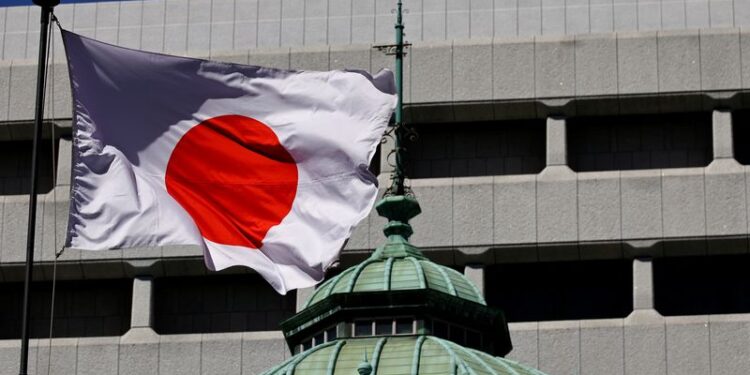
x: 399, y: 205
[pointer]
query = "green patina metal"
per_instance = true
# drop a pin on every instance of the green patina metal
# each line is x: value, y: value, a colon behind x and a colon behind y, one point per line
x: 398, y: 281
x: 415, y: 355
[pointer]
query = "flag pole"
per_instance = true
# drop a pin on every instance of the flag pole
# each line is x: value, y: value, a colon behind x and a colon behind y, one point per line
x: 398, y: 176
x: 400, y: 131
x: 46, y: 12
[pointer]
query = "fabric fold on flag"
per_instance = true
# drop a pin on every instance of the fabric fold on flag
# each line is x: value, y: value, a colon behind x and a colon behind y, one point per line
x: 264, y: 168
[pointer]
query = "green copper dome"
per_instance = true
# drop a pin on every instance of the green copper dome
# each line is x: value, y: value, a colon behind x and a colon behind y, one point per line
x: 398, y: 273
x: 413, y: 355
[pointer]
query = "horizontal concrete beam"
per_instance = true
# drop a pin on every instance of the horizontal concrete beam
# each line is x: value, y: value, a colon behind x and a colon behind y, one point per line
x: 545, y: 69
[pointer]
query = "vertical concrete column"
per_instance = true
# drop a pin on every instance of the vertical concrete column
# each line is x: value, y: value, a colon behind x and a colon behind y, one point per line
x: 722, y: 134
x: 643, y: 284
x: 142, y: 310
x: 475, y: 274
x: 557, y: 147
x: 64, y: 161
x: 303, y: 294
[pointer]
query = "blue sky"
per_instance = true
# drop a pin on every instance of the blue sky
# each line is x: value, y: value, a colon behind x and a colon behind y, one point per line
x: 10, y: 3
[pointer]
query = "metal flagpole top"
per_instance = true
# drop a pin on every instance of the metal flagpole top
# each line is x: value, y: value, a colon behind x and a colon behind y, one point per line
x: 46, y: 3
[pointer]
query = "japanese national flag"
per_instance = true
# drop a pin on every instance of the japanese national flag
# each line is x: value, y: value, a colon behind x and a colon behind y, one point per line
x: 261, y: 167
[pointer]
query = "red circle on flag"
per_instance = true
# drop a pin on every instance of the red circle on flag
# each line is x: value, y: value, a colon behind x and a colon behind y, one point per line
x: 234, y: 178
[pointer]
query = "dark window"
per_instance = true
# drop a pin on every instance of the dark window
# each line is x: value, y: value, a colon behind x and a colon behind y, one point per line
x: 473, y: 339
x: 82, y: 308
x: 307, y: 344
x: 363, y: 328
x: 227, y: 303
x: 383, y: 327
x: 439, y: 329
x: 319, y: 338
x: 404, y: 326
x: 15, y: 167
x: 702, y: 285
x: 741, y: 136
x: 331, y: 334
x: 675, y: 140
x: 457, y: 335
x: 476, y: 149
x: 561, y: 290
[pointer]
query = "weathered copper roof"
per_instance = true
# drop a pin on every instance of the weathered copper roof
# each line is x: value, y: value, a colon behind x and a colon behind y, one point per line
x: 386, y: 274
x: 416, y: 355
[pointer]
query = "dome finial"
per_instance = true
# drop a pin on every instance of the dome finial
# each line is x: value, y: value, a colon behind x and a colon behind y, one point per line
x: 364, y: 368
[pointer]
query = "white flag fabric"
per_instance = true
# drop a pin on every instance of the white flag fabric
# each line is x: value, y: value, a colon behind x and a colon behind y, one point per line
x: 261, y: 167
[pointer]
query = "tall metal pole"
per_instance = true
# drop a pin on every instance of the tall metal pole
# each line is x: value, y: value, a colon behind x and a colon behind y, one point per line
x: 47, y: 6
x: 398, y: 175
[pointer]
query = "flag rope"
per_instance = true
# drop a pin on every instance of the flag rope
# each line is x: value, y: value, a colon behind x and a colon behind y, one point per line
x: 53, y: 136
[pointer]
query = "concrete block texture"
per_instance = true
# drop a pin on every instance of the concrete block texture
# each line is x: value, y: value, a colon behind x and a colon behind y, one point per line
x: 435, y: 197
x: 554, y: 64
x: 15, y: 220
x: 641, y: 196
x: 601, y: 15
x: 525, y: 339
x: 22, y: 91
x: 514, y: 199
x: 16, y: 26
x: 57, y: 357
x: 599, y: 212
x: 261, y: 351
x: 180, y: 354
x: 730, y: 345
x: 745, y: 53
x: 142, y: 307
x: 595, y: 65
x: 601, y: 350
x: 429, y: 80
x: 220, y: 354
x: 557, y: 205
x: 559, y: 347
x: 309, y: 58
x: 645, y: 349
x: 138, y: 353
x: 637, y: 69
x: 726, y: 200
x: 350, y: 57
x: 720, y: 59
x: 529, y: 17
x: 513, y: 68
x: 97, y: 356
x: 472, y: 70
x: 643, y: 284
x: 5, y: 67
x: 721, y: 126
x: 557, y: 145
x: 683, y: 194
x: 679, y: 61
x: 688, y: 346
x: 472, y: 211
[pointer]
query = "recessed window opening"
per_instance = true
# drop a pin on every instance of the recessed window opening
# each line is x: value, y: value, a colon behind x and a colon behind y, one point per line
x: 82, y: 308
x: 385, y: 327
x: 561, y: 290
x: 741, y: 135
x: 702, y: 285
x: 477, y: 149
x: 672, y: 140
x: 226, y: 303
x: 15, y: 167
x: 319, y: 338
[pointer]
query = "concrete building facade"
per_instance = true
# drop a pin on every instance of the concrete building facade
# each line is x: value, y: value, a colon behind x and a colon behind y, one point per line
x: 584, y: 162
